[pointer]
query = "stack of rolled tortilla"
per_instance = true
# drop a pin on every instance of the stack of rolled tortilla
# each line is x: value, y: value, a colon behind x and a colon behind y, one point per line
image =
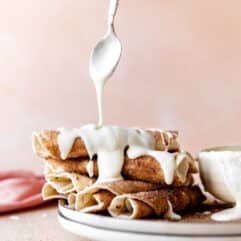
x: 143, y: 192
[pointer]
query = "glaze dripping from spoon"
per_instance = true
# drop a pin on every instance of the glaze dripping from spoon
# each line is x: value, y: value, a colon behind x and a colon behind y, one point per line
x: 104, y: 58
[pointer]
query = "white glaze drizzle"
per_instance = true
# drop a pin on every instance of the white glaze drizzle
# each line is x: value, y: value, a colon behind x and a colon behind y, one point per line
x: 105, y: 58
x: 90, y: 168
x: 206, y: 213
x: 171, y: 163
x: 166, y: 160
x: 170, y: 214
x: 228, y: 214
x: 108, y: 142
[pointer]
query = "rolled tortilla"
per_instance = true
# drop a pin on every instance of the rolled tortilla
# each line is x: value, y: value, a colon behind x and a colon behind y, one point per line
x: 156, y: 203
x: 49, y: 192
x: 71, y: 199
x: 144, y: 168
x: 98, y: 197
x: 45, y: 144
x: 60, y: 184
x: 79, y: 166
x: 147, y: 168
x: 68, y: 182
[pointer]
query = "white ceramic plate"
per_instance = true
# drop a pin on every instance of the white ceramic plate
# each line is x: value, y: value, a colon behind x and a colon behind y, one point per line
x: 104, y: 228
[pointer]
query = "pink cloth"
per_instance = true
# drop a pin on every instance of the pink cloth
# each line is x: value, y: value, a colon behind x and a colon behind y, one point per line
x: 20, y: 190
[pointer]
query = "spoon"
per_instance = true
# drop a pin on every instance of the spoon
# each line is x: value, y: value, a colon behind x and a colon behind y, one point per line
x: 105, y: 57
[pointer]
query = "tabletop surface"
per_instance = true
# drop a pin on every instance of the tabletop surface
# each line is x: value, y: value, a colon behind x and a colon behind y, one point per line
x: 39, y: 224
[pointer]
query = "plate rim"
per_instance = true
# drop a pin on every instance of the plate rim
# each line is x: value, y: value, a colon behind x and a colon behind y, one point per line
x: 150, y: 227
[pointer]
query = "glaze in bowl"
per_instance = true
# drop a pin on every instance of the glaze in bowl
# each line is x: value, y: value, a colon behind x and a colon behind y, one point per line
x: 220, y: 171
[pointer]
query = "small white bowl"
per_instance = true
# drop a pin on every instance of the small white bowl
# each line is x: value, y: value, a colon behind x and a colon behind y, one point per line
x: 220, y: 171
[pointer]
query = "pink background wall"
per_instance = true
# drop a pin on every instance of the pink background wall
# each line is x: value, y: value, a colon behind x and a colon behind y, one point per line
x: 181, y: 69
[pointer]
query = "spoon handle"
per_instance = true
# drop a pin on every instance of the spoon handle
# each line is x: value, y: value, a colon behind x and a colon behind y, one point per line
x: 112, y: 10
